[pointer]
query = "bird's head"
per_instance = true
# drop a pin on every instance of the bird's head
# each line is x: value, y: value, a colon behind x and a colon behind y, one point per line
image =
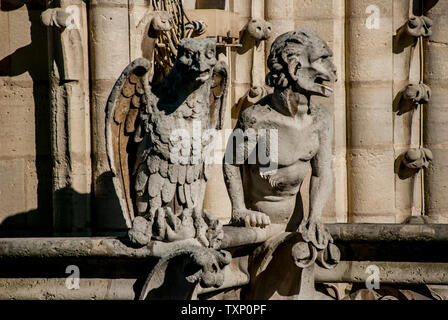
x: 196, y: 59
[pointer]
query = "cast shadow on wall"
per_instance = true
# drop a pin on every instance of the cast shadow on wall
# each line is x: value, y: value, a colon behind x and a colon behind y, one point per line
x: 72, y: 219
x: 65, y: 224
x: 33, y: 58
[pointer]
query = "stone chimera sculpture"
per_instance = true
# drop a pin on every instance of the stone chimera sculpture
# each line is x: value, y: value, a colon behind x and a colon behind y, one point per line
x: 299, y: 63
x: 158, y: 137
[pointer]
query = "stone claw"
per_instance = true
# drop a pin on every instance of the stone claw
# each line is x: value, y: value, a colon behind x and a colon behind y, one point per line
x: 249, y: 218
x: 315, y: 232
x: 141, y: 231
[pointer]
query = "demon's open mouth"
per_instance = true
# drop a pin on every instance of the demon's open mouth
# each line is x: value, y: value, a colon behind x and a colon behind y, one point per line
x: 202, y: 76
x: 320, y: 80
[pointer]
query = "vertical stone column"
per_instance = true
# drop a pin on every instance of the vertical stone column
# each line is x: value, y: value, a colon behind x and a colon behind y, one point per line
x: 281, y: 14
x: 327, y: 18
x: 406, y: 125
x: 241, y: 59
x: 436, y: 114
x: 258, y: 52
x: 137, y: 10
x: 25, y: 152
x: 370, y: 131
x: 216, y: 199
x: 109, y: 55
x: 70, y: 117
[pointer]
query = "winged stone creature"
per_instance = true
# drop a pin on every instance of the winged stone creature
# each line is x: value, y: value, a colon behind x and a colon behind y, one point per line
x: 159, y: 142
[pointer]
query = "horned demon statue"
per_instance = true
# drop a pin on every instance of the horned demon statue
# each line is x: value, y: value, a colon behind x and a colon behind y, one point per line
x: 159, y: 138
x: 299, y: 63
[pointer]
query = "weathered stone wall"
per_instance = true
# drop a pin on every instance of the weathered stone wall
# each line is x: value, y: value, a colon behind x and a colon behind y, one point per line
x: 370, y: 130
x: 109, y: 54
x: 25, y: 146
x: 436, y: 134
x: 329, y: 23
x: 36, y: 190
x: 70, y: 120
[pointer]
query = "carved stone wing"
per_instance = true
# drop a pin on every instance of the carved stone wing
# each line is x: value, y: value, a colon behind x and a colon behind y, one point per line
x: 126, y: 106
x: 218, y: 95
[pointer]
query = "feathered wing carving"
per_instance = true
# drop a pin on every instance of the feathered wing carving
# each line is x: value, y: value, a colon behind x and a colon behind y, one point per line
x: 162, y: 198
x: 126, y: 105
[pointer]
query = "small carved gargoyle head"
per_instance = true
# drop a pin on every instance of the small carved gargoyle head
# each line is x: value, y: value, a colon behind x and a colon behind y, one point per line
x: 418, y: 93
x: 418, y: 158
x: 206, y: 267
x: 259, y: 29
x: 196, y: 58
x: 419, y: 26
x: 160, y: 21
x: 302, y: 60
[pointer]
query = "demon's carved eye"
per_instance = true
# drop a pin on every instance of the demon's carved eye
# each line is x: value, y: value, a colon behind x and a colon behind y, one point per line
x: 188, y: 54
x: 210, y: 53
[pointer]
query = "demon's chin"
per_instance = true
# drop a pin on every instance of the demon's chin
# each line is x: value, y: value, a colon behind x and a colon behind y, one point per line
x: 321, y: 88
x: 324, y: 90
x: 313, y: 90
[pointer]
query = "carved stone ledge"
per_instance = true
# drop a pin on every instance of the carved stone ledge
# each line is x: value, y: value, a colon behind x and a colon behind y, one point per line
x: 108, y: 247
x: 382, y: 232
x: 390, y: 272
x: 77, y: 247
x: 401, y: 249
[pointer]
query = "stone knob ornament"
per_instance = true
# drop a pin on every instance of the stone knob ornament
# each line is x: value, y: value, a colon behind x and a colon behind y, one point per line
x: 159, y: 21
x: 304, y: 254
x: 418, y: 93
x: 418, y: 158
x: 330, y: 257
x: 419, y: 26
x: 259, y: 29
